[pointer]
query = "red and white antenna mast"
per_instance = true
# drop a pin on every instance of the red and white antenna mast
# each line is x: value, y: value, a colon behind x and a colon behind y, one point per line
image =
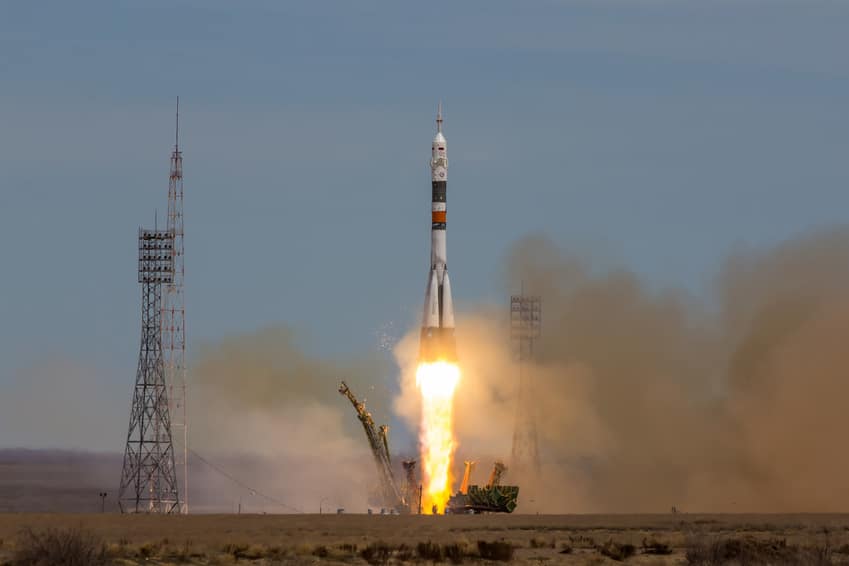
x: 174, y: 322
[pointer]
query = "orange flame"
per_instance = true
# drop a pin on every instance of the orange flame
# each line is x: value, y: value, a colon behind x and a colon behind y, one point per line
x: 437, y: 381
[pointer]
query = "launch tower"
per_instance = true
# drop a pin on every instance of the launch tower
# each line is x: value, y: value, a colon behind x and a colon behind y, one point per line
x: 525, y: 324
x: 148, y: 477
x: 174, y: 321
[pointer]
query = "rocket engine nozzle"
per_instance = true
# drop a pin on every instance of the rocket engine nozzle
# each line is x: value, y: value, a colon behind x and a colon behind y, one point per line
x: 437, y: 345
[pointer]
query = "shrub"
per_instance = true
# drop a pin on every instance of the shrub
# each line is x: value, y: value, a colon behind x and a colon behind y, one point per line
x: 565, y: 548
x: 496, y: 550
x: 537, y: 543
x: 582, y: 541
x: 148, y: 550
x: 59, y: 547
x: 404, y: 553
x: 454, y: 552
x: 377, y: 553
x: 429, y: 551
x: 275, y: 552
x: 183, y: 554
x: 238, y: 551
x: 320, y: 551
x: 348, y: 547
x: 616, y: 551
x: 253, y: 553
x: 653, y: 546
x: 753, y: 551
x: 542, y: 543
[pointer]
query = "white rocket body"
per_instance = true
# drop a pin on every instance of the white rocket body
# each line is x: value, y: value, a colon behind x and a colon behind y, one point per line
x: 437, y: 340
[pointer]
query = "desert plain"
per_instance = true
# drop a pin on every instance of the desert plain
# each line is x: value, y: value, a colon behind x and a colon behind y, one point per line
x: 374, y: 539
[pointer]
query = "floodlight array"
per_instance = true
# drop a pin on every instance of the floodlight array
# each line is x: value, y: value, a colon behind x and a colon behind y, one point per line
x: 156, y: 256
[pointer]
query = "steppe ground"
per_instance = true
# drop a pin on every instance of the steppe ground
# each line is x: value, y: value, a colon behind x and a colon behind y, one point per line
x: 537, y: 539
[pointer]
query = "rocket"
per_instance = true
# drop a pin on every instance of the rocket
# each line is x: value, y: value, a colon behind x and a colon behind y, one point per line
x: 437, y: 340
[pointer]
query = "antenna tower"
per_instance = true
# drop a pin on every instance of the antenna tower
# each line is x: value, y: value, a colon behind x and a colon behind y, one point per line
x: 525, y: 324
x: 148, y: 478
x: 174, y: 320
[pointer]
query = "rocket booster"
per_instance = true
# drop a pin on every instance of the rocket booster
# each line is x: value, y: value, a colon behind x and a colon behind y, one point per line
x: 437, y: 340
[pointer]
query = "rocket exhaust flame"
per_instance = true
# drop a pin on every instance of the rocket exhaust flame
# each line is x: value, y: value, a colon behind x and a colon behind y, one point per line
x: 436, y: 382
x: 437, y: 374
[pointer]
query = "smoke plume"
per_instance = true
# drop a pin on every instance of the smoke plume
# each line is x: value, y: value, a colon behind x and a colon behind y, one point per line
x: 647, y: 399
x: 269, y: 414
x: 644, y: 398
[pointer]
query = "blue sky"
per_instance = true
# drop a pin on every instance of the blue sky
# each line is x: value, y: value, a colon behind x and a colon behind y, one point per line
x: 659, y: 134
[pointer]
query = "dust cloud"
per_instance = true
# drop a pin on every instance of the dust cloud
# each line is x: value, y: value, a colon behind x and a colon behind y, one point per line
x: 268, y: 413
x: 647, y: 399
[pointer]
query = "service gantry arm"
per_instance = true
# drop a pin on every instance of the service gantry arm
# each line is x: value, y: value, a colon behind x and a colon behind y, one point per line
x: 497, y: 471
x: 467, y: 475
x: 383, y: 432
x: 380, y: 450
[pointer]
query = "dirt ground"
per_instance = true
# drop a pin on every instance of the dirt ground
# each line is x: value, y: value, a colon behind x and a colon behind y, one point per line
x: 375, y: 539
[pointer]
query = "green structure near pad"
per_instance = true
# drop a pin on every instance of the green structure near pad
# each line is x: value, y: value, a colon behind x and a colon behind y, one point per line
x: 491, y: 498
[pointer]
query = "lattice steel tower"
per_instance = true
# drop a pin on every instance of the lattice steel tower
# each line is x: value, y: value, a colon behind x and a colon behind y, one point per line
x: 525, y: 326
x: 148, y: 478
x: 174, y: 321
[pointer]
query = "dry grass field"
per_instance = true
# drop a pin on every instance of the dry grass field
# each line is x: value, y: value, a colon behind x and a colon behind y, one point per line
x: 376, y: 540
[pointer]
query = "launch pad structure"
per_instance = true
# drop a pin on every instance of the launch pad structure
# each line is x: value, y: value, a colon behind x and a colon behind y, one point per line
x: 525, y: 329
x: 490, y: 498
x: 154, y: 477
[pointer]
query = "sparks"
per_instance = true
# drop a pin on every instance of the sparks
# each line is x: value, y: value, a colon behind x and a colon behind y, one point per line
x: 437, y: 381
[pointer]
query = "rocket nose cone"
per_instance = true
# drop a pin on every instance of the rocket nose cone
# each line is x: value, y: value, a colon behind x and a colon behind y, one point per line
x: 439, y: 138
